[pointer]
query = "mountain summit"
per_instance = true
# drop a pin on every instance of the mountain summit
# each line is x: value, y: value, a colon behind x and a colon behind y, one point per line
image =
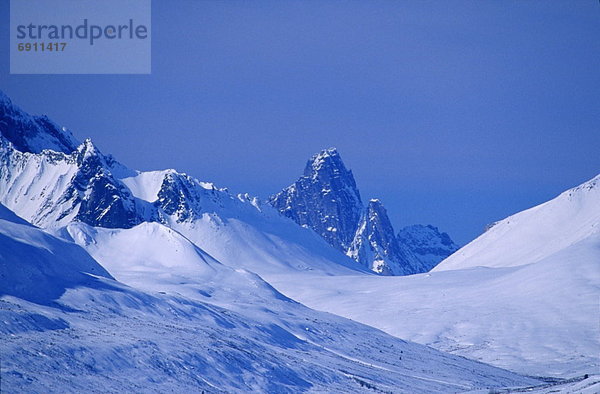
x: 327, y: 200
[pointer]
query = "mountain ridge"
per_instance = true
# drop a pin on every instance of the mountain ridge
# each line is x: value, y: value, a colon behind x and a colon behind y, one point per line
x: 76, y: 181
x: 257, y: 252
x: 52, y: 189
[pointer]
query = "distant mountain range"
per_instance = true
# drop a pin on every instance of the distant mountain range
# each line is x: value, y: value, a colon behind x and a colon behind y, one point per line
x: 76, y: 182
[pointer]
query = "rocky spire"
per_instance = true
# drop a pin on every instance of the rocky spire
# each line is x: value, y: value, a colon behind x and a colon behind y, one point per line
x: 325, y: 199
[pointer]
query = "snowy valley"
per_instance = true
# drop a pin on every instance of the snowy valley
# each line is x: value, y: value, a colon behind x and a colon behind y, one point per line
x: 522, y: 296
x: 115, y: 280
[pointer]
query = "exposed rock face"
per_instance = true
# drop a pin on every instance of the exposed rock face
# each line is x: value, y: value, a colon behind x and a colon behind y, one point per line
x: 51, y: 179
x: 177, y: 196
x: 105, y: 201
x: 51, y: 188
x: 327, y: 200
x: 427, y: 244
x: 376, y: 245
x: 32, y: 133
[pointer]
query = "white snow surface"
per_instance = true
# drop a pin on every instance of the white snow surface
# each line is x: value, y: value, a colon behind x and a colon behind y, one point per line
x: 99, y: 335
x: 537, y: 317
x: 536, y: 233
x: 156, y: 258
x: 146, y: 185
x: 36, y: 266
x: 523, y: 296
x: 33, y: 184
x: 240, y: 232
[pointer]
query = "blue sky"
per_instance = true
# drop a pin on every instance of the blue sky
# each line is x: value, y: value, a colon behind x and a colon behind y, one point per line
x: 454, y: 113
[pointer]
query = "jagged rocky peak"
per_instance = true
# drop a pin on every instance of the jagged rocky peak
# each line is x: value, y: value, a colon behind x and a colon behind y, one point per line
x: 325, y: 199
x: 87, y: 149
x: 184, y: 198
x: 32, y: 133
x: 328, y: 170
x: 324, y: 162
x: 89, y: 158
x: 178, y: 196
x: 378, y: 220
x: 420, y: 234
x: 72, y: 181
x: 105, y: 201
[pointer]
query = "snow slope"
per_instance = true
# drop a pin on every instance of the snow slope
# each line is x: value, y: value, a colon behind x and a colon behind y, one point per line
x: 239, y: 231
x: 536, y: 233
x: 155, y: 258
x: 9, y: 216
x: 579, y: 385
x: 523, y: 297
x: 99, y: 335
x: 122, y: 340
x: 193, y: 253
x: 38, y: 267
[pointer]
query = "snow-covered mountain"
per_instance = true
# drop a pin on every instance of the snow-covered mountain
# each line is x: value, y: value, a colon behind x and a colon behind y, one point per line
x: 193, y: 305
x: 535, y: 234
x: 38, y: 267
x: 77, y: 182
x: 326, y: 199
x: 52, y: 189
x: 239, y: 231
x: 67, y: 326
x: 522, y: 296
